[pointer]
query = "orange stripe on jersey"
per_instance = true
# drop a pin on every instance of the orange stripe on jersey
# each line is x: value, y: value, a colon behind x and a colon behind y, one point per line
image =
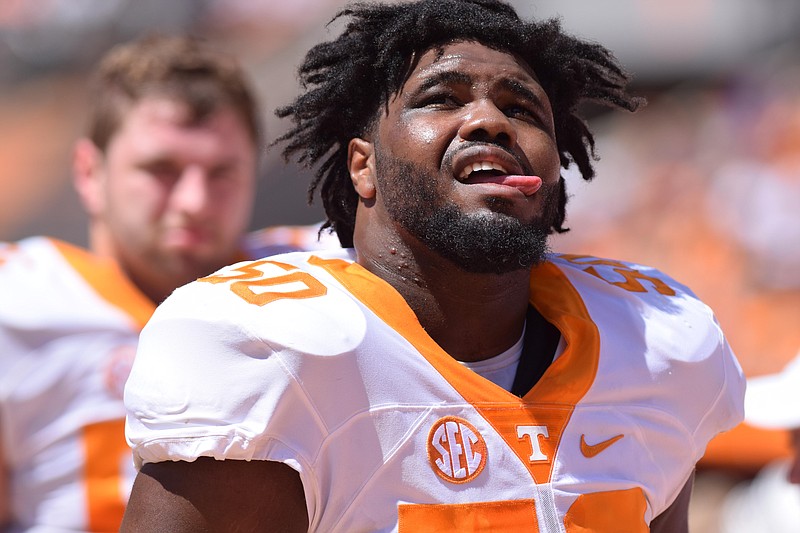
x: 109, y: 282
x: 105, y: 451
x: 498, y: 517
x: 570, y: 376
x: 608, y: 512
x: 532, y: 426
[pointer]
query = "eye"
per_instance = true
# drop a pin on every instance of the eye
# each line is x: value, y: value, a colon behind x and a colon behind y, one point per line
x: 222, y: 173
x: 163, y: 170
x: 439, y: 100
x: 521, y: 112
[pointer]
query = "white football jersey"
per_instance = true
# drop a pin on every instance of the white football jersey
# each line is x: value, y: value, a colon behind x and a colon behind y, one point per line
x: 310, y: 360
x: 69, y: 324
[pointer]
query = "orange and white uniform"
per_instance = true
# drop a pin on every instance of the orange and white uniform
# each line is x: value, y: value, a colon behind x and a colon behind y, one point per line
x: 69, y: 324
x: 310, y: 360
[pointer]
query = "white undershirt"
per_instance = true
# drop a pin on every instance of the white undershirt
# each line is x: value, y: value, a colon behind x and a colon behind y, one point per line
x: 502, y: 368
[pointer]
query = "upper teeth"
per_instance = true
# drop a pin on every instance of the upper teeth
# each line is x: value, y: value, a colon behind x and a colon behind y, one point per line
x: 480, y: 165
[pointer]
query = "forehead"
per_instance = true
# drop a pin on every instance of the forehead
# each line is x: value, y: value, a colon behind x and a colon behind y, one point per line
x: 158, y: 127
x: 170, y: 114
x: 157, y: 110
x: 473, y: 59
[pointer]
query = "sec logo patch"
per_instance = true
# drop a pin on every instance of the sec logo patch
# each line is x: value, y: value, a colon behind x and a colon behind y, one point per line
x: 456, y: 450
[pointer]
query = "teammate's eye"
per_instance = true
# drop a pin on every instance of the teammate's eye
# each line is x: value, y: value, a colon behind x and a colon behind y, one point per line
x: 163, y: 170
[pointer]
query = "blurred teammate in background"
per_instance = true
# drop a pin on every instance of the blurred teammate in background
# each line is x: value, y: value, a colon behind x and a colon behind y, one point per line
x: 167, y: 175
x: 770, y: 503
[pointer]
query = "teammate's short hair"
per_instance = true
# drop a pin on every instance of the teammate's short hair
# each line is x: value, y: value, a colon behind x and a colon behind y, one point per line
x: 348, y: 80
x: 177, y: 67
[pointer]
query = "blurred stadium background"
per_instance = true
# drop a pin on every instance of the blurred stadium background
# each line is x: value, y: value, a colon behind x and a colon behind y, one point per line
x: 704, y: 182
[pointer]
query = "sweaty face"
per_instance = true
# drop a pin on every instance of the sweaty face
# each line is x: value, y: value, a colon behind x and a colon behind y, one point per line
x: 466, y: 159
x: 177, y: 194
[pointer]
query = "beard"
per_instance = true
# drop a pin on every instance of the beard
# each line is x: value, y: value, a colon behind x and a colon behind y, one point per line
x: 489, y: 241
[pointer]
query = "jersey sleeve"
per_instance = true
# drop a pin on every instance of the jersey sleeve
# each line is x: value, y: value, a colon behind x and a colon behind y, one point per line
x: 727, y: 410
x: 699, y: 355
x: 664, y: 362
x: 203, y: 385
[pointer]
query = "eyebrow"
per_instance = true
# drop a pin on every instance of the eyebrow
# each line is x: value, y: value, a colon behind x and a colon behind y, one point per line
x: 521, y: 90
x: 459, y: 78
x: 449, y: 77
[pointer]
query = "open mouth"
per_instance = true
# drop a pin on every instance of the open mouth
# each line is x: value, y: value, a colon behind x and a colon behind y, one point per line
x: 482, y: 169
x: 490, y: 172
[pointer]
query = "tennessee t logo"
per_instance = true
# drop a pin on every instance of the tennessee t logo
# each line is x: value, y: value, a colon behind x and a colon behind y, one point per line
x: 590, y: 450
x: 532, y: 433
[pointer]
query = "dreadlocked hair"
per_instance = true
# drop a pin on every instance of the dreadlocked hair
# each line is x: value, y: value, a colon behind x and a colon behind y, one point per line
x: 345, y: 83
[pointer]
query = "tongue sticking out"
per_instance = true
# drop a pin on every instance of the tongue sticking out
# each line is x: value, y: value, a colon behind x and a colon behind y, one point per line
x: 527, y: 185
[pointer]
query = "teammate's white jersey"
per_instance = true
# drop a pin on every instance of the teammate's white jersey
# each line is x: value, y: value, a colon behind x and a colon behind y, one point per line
x: 310, y: 360
x: 69, y: 324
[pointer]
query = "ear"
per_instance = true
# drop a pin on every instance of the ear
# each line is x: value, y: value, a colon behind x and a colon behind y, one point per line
x: 361, y: 163
x: 87, y: 175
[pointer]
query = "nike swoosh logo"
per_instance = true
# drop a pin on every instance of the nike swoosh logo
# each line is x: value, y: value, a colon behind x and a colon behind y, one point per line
x: 590, y: 450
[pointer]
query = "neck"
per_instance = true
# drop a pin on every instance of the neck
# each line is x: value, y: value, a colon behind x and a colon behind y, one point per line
x: 471, y: 316
x: 154, y: 287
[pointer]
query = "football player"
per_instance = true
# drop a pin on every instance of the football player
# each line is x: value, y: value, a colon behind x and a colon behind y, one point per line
x: 445, y: 372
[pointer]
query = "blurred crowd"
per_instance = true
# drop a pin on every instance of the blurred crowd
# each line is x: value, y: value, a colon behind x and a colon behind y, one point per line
x: 703, y: 183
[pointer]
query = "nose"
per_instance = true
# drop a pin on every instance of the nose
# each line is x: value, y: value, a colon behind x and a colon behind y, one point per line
x: 486, y: 122
x: 190, y: 194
